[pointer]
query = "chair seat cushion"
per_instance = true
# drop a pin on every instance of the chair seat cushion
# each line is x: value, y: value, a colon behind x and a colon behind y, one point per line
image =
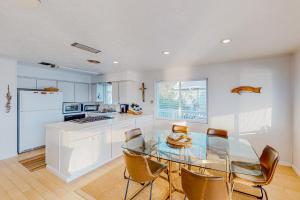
x: 249, y: 173
x: 249, y: 179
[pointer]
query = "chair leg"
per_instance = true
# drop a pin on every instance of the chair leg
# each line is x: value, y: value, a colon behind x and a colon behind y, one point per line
x: 127, y: 186
x: 125, y: 177
x: 179, y: 169
x: 231, y: 189
x: 263, y: 189
x: 151, y: 185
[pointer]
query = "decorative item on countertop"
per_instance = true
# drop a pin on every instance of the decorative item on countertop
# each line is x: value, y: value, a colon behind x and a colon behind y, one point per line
x: 8, y: 100
x: 179, y: 140
x: 135, y: 109
x: 51, y: 89
x: 243, y: 89
x: 143, y: 91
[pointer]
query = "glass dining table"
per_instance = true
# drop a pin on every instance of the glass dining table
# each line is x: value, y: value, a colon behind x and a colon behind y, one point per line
x: 205, y: 152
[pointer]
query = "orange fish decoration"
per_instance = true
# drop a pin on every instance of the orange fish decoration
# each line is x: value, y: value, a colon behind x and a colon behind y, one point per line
x: 243, y: 89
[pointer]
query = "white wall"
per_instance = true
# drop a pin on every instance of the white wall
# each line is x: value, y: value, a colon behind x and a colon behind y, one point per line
x: 118, y: 76
x: 8, y: 121
x: 260, y: 118
x: 24, y: 70
x: 296, y: 111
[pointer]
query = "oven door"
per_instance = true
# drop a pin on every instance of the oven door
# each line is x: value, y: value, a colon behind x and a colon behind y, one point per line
x: 72, y: 108
x: 91, y: 108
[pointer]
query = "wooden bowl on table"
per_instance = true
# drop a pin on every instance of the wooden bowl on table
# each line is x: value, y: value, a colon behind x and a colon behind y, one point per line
x: 179, y: 140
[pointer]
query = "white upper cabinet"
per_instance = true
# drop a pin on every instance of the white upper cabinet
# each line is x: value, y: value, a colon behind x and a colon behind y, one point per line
x: 132, y: 91
x: 94, y: 92
x: 128, y: 92
x: 68, y: 89
x: 41, y: 84
x: 81, y: 92
x: 123, y: 92
x: 115, y: 92
x: 27, y: 83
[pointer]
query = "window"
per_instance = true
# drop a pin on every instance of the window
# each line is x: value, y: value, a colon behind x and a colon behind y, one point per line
x: 104, y: 93
x: 182, y: 100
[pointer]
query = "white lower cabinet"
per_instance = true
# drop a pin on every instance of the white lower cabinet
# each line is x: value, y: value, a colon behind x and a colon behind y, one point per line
x: 118, y: 137
x: 79, y: 155
x: 84, y: 150
x: 72, y: 152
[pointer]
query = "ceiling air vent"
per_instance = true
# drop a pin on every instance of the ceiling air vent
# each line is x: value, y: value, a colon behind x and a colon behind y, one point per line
x: 48, y: 64
x: 94, y: 61
x: 85, y: 48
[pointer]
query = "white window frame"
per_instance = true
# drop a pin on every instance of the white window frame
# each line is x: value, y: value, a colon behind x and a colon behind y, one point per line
x: 201, y: 121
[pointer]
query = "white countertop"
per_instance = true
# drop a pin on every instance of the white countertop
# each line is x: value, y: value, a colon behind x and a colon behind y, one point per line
x: 69, y: 126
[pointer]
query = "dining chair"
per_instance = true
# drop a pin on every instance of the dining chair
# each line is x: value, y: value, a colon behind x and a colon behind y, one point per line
x: 203, y: 187
x: 142, y: 170
x: 179, y: 128
x: 268, y: 163
x: 217, y: 132
x: 129, y: 135
x: 133, y: 133
x: 218, y: 146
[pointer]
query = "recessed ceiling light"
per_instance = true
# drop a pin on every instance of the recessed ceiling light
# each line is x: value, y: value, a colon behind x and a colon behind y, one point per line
x: 166, y: 52
x: 94, y: 61
x: 226, y: 41
x: 115, y: 62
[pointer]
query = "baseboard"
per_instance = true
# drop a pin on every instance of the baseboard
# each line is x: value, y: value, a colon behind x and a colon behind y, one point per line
x: 8, y: 156
x: 296, y: 170
x: 74, y: 176
x: 285, y: 163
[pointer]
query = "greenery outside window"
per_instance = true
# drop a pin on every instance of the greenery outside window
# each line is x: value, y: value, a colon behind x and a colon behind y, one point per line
x: 182, y: 100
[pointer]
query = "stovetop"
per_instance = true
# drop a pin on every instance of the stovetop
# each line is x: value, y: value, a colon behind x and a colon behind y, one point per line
x: 91, y: 119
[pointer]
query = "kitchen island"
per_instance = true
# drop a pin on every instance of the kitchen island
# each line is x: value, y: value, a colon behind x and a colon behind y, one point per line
x: 74, y: 149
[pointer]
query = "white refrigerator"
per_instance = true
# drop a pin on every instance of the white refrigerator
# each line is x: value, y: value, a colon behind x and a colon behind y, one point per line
x: 35, y: 110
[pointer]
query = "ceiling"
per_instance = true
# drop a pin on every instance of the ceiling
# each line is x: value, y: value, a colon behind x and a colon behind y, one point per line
x: 135, y: 32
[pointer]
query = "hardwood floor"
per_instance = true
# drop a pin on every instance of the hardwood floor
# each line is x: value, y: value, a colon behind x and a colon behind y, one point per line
x: 16, y: 182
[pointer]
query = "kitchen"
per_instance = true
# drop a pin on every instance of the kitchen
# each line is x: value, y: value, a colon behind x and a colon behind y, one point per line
x: 82, y: 106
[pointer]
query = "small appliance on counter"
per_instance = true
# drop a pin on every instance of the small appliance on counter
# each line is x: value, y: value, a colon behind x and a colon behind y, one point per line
x: 72, y: 107
x: 135, y: 109
x: 124, y: 108
x: 90, y: 107
x: 107, y: 108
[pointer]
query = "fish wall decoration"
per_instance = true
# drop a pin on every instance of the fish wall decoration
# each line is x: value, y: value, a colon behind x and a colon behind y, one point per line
x: 243, y: 89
